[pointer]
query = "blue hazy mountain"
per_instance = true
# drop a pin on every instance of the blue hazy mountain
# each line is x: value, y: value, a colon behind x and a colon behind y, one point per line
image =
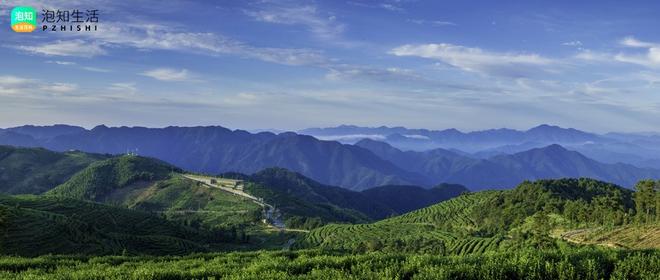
x: 217, y: 149
x: 515, y: 156
x: 506, y: 171
x: 642, y: 150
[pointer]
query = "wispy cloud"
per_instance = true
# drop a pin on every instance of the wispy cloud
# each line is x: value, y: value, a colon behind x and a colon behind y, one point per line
x: 169, y: 75
x: 390, y: 5
x: 634, y: 43
x: 17, y: 86
x: 322, y: 25
x: 156, y: 36
x: 476, y: 59
x: 86, y: 68
x: 96, y: 69
x: 60, y: 87
x: 58, y: 62
x: 650, y: 58
x: 432, y: 22
x: 576, y: 43
x: 123, y: 87
x: 74, y: 47
x: 350, y: 72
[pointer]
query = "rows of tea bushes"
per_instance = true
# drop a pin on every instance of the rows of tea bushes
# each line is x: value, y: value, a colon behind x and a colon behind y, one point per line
x: 585, y: 263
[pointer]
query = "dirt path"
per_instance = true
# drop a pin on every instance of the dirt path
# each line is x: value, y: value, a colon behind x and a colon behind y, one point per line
x: 577, y: 237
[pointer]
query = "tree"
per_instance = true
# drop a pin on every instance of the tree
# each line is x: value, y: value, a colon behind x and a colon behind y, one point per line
x: 646, y: 200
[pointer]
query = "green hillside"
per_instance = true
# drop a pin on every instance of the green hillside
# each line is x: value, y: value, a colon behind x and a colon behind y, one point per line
x: 37, y: 170
x: 98, y: 181
x: 153, y: 186
x: 35, y: 225
x: 483, y: 221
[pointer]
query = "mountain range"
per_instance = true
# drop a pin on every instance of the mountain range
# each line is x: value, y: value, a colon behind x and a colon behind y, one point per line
x: 507, y: 158
x: 507, y: 170
x: 642, y: 150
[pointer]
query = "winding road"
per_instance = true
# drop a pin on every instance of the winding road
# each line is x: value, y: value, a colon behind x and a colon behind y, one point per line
x: 270, y: 212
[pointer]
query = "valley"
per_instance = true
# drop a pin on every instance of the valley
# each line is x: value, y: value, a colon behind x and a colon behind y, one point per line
x: 99, y: 208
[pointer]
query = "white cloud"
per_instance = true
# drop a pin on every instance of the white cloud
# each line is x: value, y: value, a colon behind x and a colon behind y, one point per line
x: 350, y: 72
x: 391, y: 7
x: 87, y: 68
x: 123, y: 87
x: 60, y: 87
x: 323, y: 26
x: 572, y: 43
x: 168, y: 74
x: 589, y: 55
x: 432, y: 22
x: 476, y: 59
x: 148, y: 36
x: 61, y: 62
x: 96, y: 69
x: 634, y: 43
x: 75, y: 47
x: 17, y: 86
x: 650, y: 59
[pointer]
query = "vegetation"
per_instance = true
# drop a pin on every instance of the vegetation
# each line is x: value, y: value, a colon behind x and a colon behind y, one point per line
x: 36, y: 170
x: 102, y: 178
x: 38, y: 225
x: 308, y: 204
x: 647, y: 201
x: 489, y: 220
x: 526, y: 264
x: 156, y: 223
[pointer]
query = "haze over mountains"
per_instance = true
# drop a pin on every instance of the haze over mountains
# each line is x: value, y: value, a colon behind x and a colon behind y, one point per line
x: 491, y: 159
x: 642, y: 150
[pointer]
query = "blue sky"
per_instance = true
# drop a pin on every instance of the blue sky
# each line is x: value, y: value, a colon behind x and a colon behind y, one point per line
x: 592, y: 65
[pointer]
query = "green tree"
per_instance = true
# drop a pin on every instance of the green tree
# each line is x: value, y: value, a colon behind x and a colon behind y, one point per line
x: 645, y: 200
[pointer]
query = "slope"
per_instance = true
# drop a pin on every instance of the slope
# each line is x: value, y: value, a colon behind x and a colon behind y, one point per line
x: 487, y: 220
x: 33, y: 225
x: 36, y: 170
x: 151, y: 185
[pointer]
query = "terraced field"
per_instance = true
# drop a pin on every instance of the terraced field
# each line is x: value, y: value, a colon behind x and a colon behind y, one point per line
x: 454, y: 212
x: 440, y: 226
x: 31, y: 225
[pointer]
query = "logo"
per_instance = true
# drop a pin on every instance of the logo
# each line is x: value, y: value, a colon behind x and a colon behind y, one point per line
x: 23, y: 19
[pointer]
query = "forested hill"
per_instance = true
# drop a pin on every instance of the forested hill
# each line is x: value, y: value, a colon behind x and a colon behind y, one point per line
x: 492, y: 220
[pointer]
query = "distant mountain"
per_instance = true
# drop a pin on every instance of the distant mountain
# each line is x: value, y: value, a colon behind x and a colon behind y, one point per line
x: 17, y: 139
x: 403, y: 199
x: 217, y: 149
x: 46, y: 132
x: 506, y: 171
x: 639, y: 149
x: 424, y: 139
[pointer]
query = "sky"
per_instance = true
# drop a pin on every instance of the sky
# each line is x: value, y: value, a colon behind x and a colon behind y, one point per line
x: 471, y: 65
